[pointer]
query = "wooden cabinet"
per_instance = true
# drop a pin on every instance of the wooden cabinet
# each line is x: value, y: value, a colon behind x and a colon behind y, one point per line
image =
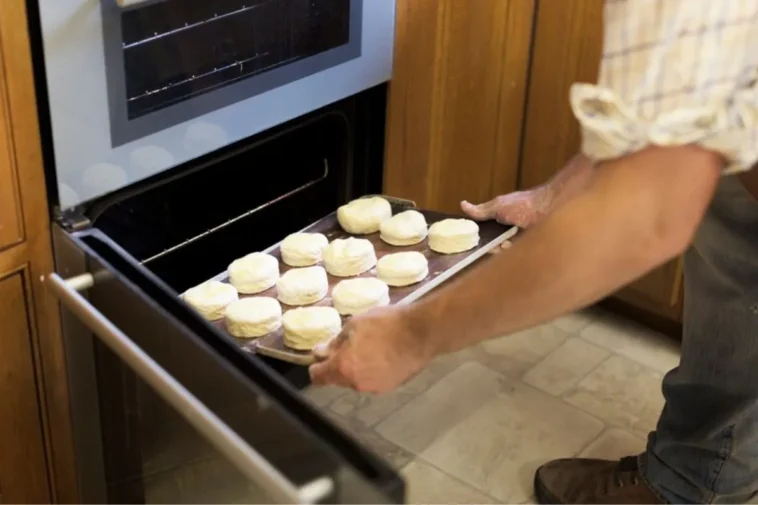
x: 23, y: 472
x: 568, y: 40
x: 11, y: 231
x: 456, y: 99
x: 567, y: 49
x: 36, y: 451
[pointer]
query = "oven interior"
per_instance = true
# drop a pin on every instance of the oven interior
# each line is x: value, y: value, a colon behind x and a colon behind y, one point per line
x: 188, y: 225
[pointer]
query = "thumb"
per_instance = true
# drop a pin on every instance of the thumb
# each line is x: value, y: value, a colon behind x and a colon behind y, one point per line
x: 481, y: 212
x: 324, y: 350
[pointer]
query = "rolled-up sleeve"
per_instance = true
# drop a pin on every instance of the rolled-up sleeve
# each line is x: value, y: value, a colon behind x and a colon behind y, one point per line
x: 674, y: 72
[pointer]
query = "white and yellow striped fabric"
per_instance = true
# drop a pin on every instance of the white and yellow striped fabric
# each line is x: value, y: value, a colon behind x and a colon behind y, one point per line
x: 674, y: 72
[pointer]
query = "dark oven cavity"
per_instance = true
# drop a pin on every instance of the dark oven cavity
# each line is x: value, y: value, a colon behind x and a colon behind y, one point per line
x: 187, y: 228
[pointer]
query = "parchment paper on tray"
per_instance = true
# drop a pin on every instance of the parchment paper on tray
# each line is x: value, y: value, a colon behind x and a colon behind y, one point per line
x: 441, y: 268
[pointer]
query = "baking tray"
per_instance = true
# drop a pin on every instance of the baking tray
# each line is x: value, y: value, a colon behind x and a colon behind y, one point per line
x: 441, y: 268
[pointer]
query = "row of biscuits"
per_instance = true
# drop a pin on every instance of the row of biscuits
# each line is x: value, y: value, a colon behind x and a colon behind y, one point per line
x: 308, y: 284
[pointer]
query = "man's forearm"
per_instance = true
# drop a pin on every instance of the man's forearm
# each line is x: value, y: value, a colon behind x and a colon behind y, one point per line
x: 570, y: 181
x: 620, y: 227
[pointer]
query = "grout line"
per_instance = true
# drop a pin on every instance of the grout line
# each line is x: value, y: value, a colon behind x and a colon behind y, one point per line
x: 605, y: 430
x: 456, y: 478
x: 633, y: 360
x: 607, y: 424
x: 410, y: 399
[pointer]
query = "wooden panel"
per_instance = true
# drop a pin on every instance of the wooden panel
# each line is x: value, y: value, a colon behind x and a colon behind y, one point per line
x: 35, y: 252
x: 11, y: 231
x: 659, y: 292
x: 456, y: 100
x: 23, y: 473
x: 568, y: 42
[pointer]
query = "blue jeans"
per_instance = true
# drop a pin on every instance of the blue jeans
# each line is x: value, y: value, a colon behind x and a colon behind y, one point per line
x: 705, y: 447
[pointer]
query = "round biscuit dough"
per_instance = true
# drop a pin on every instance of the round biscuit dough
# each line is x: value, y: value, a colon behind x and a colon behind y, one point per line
x: 353, y: 296
x: 254, y: 273
x: 302, y: 286
x: 364, y: 215
x: 253, y: 317
x: 211, y: 298
x: 403, y: 268
x: 303, y: 249
x: 404, y: 229
x: 349, y: 257
x: 451, y: 236
x: 306, y: 327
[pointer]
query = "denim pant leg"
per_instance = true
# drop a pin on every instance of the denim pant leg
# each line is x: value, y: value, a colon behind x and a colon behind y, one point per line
x: 705, y: 447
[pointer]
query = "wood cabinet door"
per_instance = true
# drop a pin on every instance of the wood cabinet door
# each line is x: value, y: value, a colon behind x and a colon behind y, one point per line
x: 23, y: 475
x: 456, y: 100
x: 11, y: 229
x: 568, y: 42
x: 34, y: 400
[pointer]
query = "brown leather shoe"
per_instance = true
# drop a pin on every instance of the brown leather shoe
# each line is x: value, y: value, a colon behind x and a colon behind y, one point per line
x: 592, y: 481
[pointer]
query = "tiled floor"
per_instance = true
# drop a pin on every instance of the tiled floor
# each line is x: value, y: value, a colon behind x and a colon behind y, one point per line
x: 474, y: 426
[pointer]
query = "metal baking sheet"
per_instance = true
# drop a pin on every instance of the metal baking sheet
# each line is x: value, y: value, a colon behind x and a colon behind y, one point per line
x: 441, y: 268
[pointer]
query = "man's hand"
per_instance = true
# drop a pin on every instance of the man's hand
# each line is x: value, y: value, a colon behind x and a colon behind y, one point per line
x: 375, y: 352
x: 522, y: 208
x: 526, y: 208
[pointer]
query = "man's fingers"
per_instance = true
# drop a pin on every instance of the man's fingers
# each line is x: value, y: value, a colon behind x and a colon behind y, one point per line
x: 326, y: 349
x: 327, y: 373
x: 481, y: 212
x: 321, y: 351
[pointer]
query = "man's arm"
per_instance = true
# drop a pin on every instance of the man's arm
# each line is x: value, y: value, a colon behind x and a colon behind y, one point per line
x: 637, y: 212
x: 570, y: 181
x: 526, y: 208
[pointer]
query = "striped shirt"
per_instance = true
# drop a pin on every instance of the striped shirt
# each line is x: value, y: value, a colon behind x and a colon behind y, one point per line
x: 674, y: 72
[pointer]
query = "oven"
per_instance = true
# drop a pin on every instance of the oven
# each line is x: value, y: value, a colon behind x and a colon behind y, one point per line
x: 136, y: 87
x: 179, y: 135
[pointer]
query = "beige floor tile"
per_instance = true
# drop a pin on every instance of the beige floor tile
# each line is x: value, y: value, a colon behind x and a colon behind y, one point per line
x: 323, y: 396
x: 634, y: 341
x: 426, y: 484
x: 622, y: 392
x: 500, y: 445
x: 527, y: 347
x: 614, y: 444
x: 572, y: 323
x: 430, y: 415
x: 396, y: 456
x: 371, y: 409
x: 566, y: 366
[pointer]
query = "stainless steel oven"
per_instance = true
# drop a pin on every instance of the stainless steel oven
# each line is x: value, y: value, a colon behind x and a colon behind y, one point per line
x: 138, y: 89
x: 177, y: 136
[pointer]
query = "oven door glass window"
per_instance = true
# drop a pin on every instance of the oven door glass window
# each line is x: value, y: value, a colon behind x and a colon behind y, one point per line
x: 173, y: 51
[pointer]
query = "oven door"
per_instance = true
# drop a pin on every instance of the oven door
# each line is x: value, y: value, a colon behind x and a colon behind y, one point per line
x: 135, y: 87
x: 167, y: 409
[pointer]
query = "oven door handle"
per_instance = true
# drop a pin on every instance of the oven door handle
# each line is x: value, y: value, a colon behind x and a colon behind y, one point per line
x: 130, y: 3
x: 248, y: 461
